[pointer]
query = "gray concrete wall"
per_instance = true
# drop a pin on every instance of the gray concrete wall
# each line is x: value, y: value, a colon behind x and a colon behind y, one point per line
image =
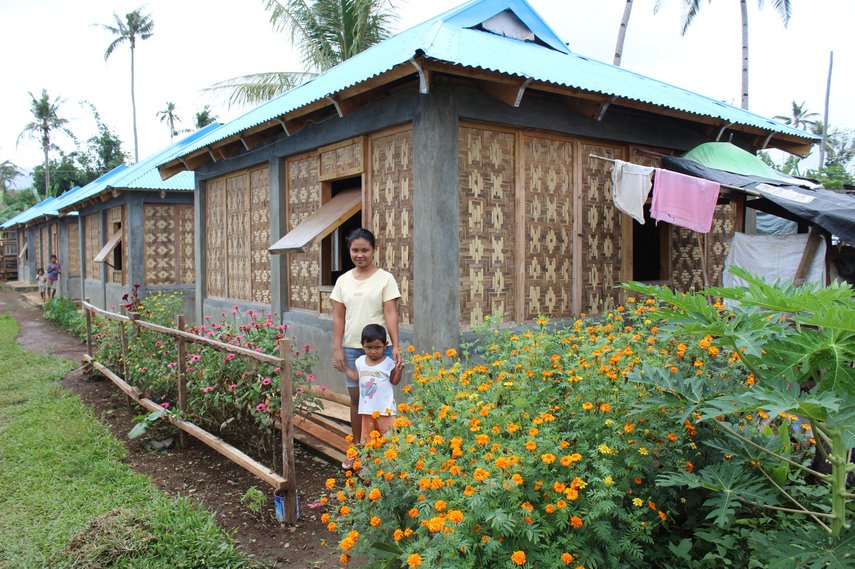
x: 72, y: 287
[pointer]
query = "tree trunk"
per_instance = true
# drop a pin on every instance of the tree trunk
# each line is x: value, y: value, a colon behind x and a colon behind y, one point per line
x: 825, y: 116
x: 134, y: 109
x: 743, y: 4
x: 627, y: 10
x: 46, y: 148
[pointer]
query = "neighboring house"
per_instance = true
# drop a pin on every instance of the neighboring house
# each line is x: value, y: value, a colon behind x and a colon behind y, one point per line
x: 136, y: 229
x: 466, y: 144
x: 37, y: 237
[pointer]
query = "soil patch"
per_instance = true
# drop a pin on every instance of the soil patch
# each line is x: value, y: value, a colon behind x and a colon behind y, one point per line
x: 195, y: 471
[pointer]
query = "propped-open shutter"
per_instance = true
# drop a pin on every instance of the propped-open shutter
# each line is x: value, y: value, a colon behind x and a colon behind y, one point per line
x: 321, y: 223
x: 111, y: 244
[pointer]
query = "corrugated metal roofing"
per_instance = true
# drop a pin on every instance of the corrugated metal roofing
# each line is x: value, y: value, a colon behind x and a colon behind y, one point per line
x: 448, y: 38
x: 143, y: 175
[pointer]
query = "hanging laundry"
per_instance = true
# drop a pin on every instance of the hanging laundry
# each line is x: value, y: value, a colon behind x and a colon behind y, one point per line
x: 630, y: 187
x: 684, y: 200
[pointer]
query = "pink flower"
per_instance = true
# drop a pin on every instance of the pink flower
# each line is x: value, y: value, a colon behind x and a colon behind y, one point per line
x: 310, y: 378
x: 195, y: 358
x: 234, y: 312
x: 235, y: 307
x: 307, y: 348
x: 222, y: 313
x: 158, y: 344
x: 323, y: 388
x: 266, y: 381
x: 136, y: 286
x: 165, y: 404
x: 229, y: 357
x: 260, y: 407
x: 172, y: 364
x: 232, y: 387
x: 207, y: 389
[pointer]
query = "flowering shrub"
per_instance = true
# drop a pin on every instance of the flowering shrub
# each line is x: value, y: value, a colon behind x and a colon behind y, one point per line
x: 526, y: 451
x: 226, y: 392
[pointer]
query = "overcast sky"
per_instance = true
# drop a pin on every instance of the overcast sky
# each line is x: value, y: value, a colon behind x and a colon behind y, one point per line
x: 53, y: 44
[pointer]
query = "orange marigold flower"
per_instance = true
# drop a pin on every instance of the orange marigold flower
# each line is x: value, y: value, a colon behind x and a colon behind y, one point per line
x: 527, y: 506
x: 576, y: 522
x: 547, y: 458
x: 662, y: 516
x: 550, y: 508
x: 331, y: 526
x: 566, y: 558
x: 518, y: 557
x: 375, y: 521
x: 330, y: 483
x: 344, y: 510
x: 530, y: 445
x: 450, y: 353
x: 411, y: 349
x: 398, y: 535
x: 587, y: 405
x: 435, y: 524
x: 455, y: 516
x: 413, y: 513
x: 672, y: 437
x: 689, y: 466
x: 439, y: 505
x: 480, y: 474
x: 414, y: 560
x: 559, y: 487
x: 375, y: 494
x: 651, y: 505
x: 347, y: 544
x: 503, y: 462
x: 605, y: 407
x: 468, y: 490
x: 325, y: 518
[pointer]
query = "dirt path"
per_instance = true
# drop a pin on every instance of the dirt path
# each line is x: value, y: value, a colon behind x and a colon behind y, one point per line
x: 196, y: 472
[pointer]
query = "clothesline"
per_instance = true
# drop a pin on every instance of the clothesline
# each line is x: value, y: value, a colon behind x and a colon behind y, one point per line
x: 729, y: 187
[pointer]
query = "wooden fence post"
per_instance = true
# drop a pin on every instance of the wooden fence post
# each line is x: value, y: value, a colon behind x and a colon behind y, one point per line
x: 286, y: 414
x: 182, y: 378
x: 88, y: 329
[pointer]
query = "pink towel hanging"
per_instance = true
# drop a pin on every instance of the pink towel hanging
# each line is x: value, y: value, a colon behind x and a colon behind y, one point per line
x: 684, y: 200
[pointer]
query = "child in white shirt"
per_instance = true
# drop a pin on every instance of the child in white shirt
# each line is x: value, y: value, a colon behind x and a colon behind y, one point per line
x: 41, y: 279
x: 376, y: 374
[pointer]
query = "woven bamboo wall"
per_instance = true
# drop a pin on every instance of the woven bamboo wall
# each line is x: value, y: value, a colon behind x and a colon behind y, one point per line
x: 53, y: 229
x: 304, y: 198
x: 43, y: 246
x: 238, y: 237
x: 92, y: 244
x: 259, y: 187
x: 341, y: 160
x: 686, y: 260
x: 601, y: 231
x: 186, y: 243
x: 117, y: 215
x: 487, y: 225
x: 391, y: 205
x: 215, y: 237
x: 718, y: 241
x: 548, y: 182
x: 72, y: 231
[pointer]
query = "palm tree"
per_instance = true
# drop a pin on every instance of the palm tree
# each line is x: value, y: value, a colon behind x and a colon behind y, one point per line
x: 800, y: 118
x: 8, y: 172
x: 47, y: 121
x: 204, y: 117
x: 168, y: 116
x: 135, y: 25
x: 327, y: 32
x: 694, y: 6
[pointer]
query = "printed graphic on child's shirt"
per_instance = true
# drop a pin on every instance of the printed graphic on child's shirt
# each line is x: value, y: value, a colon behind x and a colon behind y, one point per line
x: 368, y: 387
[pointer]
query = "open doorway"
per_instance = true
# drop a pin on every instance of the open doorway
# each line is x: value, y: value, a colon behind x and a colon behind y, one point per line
x: 650, y: 261
x: 335, y: 255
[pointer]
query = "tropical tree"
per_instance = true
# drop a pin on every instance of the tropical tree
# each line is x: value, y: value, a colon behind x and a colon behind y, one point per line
x: 168, y: 116
x: 326, y: 32
x: 46, y: 122
x: 136, y: 25
x: 8, y: 172
x: 800, y: 118
x: 693, y: 7
x: 624, y: 24
x: 204, y: 117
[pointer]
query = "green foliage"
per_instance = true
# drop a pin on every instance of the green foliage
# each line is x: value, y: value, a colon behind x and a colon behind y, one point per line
x: 61, y: 473
x: 65, y: 313
x: 254, y: 500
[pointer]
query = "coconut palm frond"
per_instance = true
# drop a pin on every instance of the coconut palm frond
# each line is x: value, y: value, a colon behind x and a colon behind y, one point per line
x: 258, y: 87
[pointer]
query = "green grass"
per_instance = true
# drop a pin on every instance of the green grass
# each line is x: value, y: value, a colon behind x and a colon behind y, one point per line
x: 61, y: 472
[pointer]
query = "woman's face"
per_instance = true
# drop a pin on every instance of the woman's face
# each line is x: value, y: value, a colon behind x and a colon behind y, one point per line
x: 361, y: 253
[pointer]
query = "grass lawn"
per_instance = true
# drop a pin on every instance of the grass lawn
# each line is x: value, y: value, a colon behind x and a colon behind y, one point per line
x: 61, y: 472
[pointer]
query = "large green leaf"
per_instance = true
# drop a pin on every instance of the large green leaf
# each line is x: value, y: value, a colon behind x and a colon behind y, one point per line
x: 811, y: 548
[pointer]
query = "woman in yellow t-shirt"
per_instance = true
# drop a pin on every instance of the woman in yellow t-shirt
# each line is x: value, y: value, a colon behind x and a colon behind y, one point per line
x: 364, y: 295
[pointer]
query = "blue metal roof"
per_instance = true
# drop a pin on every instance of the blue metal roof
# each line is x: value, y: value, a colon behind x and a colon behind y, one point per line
x: 143, y: 175
x: 450, y: 38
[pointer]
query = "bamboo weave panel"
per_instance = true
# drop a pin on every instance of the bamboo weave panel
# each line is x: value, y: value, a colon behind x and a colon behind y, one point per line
x: 186, y: 243
x: 260, y: 220
x: 341, y: 162
x: 238, y: 237
x: 53, y: 229
x: 601, y: 230
x: 718, y: 240
x: 486, y: 169
x: 304, y: 198
x: 686, y: 264
x: 391, y: 199
x: 548, y: 179
x: 161, y: 252
x: 92, y: 242
x: 117, y: 215
x: 215, y: 238
x: 43, y: 246
x: 72, y: 232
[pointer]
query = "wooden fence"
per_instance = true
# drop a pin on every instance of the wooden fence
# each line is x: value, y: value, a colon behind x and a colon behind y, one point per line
x: 283, y: 484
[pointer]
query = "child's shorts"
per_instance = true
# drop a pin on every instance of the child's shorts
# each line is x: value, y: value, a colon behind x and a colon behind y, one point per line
x: 382, y: 424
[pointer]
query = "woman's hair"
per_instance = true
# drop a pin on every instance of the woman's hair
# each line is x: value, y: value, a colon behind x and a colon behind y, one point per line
x: 373, y: 332
x: 39, y: 270
x: 361, y: 233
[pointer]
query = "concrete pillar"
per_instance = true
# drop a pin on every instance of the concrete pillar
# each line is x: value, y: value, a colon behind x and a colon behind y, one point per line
x: 199, y: 246
x: 135, y: 234
x: 436, y: 220
x: 62, y: 252
x: 31, y: 254
x: 278, y: 227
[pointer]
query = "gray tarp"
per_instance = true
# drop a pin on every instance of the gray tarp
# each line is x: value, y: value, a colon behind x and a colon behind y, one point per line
x: 832, y: 211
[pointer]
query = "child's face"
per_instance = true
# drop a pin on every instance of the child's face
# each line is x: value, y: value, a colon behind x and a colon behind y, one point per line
x: 374, y: 349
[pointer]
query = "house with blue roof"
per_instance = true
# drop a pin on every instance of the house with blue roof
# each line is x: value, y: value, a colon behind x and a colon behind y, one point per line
x: 477, y: 146
x: 132, y: 228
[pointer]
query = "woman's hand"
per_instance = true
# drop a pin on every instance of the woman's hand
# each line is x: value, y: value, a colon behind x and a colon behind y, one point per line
x: 396, y: 355
x: 338, y: 359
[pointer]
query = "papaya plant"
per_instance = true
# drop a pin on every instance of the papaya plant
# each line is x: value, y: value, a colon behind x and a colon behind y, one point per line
x: 787, y: 425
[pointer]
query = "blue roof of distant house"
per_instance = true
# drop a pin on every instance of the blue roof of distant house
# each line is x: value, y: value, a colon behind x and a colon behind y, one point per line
x: 29, y: 214
x: 453, y: 37
x: 143, y: 175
